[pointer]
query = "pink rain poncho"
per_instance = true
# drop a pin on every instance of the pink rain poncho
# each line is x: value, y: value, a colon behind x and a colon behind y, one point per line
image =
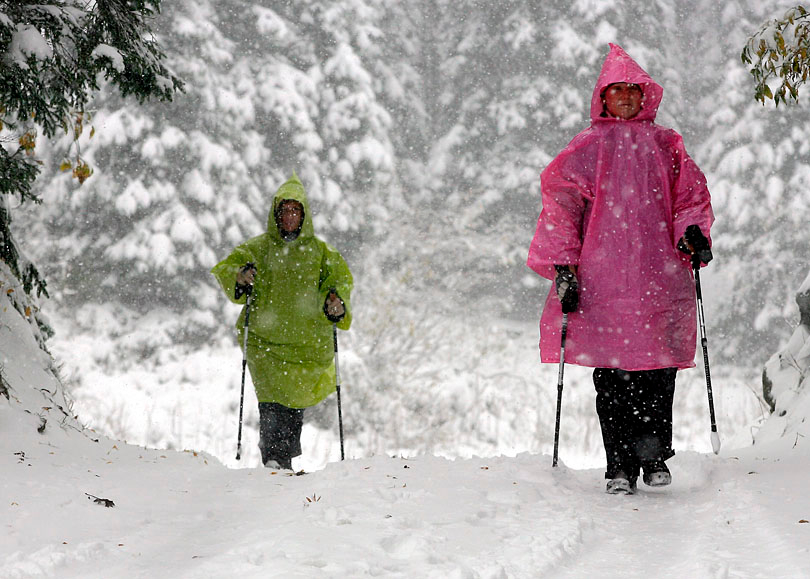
x: 616, y: 201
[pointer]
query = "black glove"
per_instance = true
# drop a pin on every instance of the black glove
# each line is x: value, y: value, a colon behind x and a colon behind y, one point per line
x: 567, y: 288
x: 695, y: 243
x: 245, y: 288
x: 334, y: 310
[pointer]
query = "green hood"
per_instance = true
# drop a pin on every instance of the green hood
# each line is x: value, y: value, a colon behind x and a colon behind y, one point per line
x: 292, y: 190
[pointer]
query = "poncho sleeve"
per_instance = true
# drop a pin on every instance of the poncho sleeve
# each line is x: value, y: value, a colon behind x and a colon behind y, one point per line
x: 566, y: 188
x: 691, y: 201
x: 335, y: 275
x: 225, y: 271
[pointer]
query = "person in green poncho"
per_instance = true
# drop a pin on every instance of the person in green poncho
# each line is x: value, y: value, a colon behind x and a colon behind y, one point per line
x: 300, y: 286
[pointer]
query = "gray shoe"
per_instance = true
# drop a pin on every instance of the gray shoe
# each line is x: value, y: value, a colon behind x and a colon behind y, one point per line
x: 621, y: 485
x: 276, y: 465
x: 656, y: 474
x: 657, y: 479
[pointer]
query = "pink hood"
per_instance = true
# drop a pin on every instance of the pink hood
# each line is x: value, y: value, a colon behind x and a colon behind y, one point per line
x: 616, y: 201
x: 619, y: 67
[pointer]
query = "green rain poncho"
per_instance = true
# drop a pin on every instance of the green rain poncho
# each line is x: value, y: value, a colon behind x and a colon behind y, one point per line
x: 290, y: 349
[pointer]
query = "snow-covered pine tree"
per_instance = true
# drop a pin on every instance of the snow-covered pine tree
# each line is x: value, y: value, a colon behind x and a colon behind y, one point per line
x: 53, y: 55
x: 505, y: 87
x: 269, y: 91
x: 757, y: 159
x: 784, y: 377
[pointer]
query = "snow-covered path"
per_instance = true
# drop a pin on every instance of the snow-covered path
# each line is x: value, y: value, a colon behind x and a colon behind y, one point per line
x: 185, y: 515
x: 711, y: 522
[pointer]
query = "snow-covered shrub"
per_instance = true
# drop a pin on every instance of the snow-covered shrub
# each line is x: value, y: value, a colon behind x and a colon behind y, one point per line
x: 784, y: 376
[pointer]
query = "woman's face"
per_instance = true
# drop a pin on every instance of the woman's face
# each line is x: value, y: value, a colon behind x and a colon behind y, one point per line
x: 623, y: 100
x: 291, y: 214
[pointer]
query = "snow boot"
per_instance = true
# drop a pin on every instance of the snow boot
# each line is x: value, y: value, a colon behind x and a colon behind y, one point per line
x: 656, y: 474
x: 279, y: 465
x: 621, y: 485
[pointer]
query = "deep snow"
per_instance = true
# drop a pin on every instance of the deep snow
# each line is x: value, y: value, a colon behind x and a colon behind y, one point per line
x: 742, y: 514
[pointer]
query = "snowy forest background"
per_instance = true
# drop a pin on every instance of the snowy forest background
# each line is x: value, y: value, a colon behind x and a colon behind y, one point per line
x: 419, y: 129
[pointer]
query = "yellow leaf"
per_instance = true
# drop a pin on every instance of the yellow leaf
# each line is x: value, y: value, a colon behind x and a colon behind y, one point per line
x: 28, y: 142
x: 82, y: 171
x: 65, y: 166
x: 92, y: 131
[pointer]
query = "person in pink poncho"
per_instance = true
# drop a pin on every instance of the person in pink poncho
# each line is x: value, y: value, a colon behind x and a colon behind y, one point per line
x: 624, y: 209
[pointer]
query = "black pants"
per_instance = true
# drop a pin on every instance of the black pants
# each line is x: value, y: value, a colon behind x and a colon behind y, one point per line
x: 280, y: 433
x: 635, y: 413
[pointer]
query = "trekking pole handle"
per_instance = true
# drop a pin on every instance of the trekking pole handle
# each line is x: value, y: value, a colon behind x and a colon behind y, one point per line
x: 242, y: 289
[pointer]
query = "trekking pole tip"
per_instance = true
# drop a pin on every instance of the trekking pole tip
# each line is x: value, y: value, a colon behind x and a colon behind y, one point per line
x: 715, y: 442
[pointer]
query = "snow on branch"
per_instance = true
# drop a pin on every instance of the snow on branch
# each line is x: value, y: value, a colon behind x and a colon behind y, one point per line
x: 779, y: 54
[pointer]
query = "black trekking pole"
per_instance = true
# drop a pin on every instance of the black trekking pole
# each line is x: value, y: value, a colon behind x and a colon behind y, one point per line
x: 560, y: 387
x: 704, y: 342
x: 337, y: 388
x: 249, y: 291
